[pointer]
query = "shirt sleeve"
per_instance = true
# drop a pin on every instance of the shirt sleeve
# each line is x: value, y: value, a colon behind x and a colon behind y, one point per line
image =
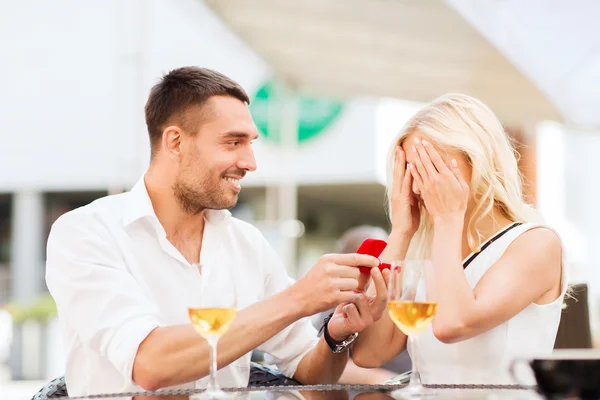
x: 289, y: 346
x: 97, y: 299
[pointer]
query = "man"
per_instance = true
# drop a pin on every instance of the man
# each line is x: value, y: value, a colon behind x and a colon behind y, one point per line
x: 124, y: 268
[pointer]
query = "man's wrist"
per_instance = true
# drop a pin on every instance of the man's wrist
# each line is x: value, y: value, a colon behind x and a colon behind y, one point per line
x: 294, y: 302
x: 337, y: 343
x: 338, y: 336
x: 334, y: 335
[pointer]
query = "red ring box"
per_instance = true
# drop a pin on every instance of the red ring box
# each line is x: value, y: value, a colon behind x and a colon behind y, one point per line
x: 373, y: 247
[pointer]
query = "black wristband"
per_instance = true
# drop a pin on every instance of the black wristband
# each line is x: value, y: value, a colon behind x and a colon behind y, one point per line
x: 336, y: 347
x: 324, y: 325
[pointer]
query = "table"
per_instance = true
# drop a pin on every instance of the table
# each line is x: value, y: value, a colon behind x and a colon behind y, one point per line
x: 339, y: 392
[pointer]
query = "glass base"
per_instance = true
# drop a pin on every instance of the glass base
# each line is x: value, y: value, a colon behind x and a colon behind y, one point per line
x: 410, y: 391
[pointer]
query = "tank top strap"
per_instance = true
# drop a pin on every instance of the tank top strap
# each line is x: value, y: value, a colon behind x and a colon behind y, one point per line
x: 496, y: 248
x: 491, y: 240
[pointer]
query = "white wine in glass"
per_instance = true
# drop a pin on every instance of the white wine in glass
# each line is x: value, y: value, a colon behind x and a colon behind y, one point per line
x: 211, y: 322
x: 211, y: 317
x: 412, y: 314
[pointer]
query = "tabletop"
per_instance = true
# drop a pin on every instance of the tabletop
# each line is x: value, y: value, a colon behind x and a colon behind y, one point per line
x: 337, y: 392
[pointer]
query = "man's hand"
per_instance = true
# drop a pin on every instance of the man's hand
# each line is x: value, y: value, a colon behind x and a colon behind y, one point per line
x: 333, y: 280
x: 349, y: 318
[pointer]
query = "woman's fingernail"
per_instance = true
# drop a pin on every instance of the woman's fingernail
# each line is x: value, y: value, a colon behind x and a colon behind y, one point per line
x: 414, y: 149
x: 417, y: 140
x: 409, y: 165
x: 453, y: 162
x: 424, y: 143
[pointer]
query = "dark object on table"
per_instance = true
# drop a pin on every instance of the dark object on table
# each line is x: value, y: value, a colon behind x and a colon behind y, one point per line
x: 574, y: 330
x: 566, y: 373
x: 260, y: 375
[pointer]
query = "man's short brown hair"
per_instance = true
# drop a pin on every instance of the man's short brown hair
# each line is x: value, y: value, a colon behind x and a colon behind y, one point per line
x: 178, y: 91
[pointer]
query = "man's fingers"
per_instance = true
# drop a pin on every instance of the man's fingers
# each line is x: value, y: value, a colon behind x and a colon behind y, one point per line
x: 380, y: 300
x: 347, y: 297
x: 346, y: 284
x: 343, y: 271
x: 354, y: 260
x: 380, y: 287
x: 351, y: 311
x: 362, y: 305
x: 363, y: 280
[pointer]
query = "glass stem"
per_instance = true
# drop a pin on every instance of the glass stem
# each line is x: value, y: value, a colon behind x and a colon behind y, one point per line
x: 212, y: 383
x: 415, y: 377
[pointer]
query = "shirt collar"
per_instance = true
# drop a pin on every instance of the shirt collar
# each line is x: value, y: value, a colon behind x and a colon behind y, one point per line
x: 139, y: 206
x: 216, y: 216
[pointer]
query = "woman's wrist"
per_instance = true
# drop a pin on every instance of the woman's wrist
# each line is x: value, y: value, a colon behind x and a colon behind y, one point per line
x: 451, y: 222
x: 401, y: 233
x: 398, y: 242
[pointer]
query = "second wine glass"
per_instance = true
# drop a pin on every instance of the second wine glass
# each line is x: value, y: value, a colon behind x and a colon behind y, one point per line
x: 410, y: 310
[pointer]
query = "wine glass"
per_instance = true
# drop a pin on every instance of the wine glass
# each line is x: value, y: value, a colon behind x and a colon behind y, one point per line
x: 410, y: 310
x: 211, y: 314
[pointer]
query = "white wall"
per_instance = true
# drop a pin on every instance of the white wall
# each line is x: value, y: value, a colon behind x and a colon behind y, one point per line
x: 56, y: 85
x: 74, y: 77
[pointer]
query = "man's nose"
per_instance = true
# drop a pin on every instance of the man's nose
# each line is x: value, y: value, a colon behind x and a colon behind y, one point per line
x: 248, y: 161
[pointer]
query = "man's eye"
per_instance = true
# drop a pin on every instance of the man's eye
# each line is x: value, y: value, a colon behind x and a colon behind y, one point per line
x: 235, y: 143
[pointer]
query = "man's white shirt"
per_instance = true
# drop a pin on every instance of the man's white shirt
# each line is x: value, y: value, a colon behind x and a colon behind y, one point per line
x: 115, y: 277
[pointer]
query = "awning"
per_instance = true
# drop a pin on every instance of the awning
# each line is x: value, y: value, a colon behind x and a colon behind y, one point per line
x: 415, y: 50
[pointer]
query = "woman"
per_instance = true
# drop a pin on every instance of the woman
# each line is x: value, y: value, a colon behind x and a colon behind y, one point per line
x: 455, y: 185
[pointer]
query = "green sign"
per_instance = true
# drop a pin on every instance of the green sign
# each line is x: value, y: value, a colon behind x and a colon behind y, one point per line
x: 315, y: 115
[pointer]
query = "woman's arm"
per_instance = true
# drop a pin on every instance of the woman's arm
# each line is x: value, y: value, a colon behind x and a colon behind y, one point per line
x: 529, y: 269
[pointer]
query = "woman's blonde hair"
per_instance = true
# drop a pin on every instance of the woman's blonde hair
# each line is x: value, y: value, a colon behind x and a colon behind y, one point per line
x: 460, y: 122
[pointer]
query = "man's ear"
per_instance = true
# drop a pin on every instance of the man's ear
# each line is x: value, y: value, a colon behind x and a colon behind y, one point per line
x: 171, y: 141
